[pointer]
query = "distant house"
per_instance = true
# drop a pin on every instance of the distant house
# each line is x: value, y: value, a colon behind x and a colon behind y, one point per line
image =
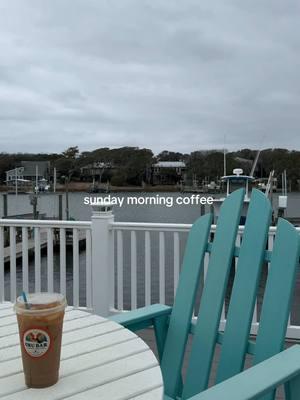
x: 168, y: 172
x: 94, y: 170
x: 29, y: 170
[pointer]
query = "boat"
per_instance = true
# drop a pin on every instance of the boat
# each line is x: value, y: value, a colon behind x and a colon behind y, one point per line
x: 211, y: 187
x: 262, y: 184
x: 98, y: 187
x: 42, y: 186
x: 233, y: 182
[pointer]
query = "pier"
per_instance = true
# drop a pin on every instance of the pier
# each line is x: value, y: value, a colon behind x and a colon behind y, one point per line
x: 43, y: 239
x: 18, y: 247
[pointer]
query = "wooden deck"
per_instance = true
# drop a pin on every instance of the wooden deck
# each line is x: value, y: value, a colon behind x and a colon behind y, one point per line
x: 43, y: 243
x: 148, y: 336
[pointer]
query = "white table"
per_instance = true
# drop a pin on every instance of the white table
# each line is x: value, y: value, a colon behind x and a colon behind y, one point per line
x: 100, y: 360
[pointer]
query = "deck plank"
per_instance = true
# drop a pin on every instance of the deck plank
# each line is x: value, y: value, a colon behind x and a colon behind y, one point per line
x: 148, y: 336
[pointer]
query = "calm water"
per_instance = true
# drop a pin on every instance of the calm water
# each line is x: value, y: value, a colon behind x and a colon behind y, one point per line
x: 48, y: 204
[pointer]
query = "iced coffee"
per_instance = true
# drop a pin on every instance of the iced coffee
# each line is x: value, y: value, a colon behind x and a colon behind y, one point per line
x: 40, y: 320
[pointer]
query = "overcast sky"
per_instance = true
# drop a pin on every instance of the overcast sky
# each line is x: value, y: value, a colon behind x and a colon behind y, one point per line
x: 161, y: 74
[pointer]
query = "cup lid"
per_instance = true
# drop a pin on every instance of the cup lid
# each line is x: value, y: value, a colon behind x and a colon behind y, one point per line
x: 43, y: 302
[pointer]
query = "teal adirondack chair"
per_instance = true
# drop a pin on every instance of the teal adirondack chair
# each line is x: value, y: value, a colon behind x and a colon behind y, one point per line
x: 271, y: 365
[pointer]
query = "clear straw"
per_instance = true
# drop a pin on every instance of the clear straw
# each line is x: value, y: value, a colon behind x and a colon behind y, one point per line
x: 27, y: 305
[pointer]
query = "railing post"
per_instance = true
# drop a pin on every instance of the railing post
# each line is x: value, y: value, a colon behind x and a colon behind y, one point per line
x: 102, y: 258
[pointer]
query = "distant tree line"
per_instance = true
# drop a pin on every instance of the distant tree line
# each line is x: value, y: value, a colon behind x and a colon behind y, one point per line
x: 131, y: 165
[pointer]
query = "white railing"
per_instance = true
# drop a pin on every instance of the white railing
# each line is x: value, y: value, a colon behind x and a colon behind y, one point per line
x: 165, y: 289
x: 21, y: 238
x: 144, y: 253
x: 124, y: 265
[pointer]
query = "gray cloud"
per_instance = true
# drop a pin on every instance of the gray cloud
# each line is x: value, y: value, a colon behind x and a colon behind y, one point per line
x: 159, y: 74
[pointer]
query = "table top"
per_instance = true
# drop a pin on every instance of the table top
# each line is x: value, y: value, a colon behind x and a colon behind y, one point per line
x: 100, y: 359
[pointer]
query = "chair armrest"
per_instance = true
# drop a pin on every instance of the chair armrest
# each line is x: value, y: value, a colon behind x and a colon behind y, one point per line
x: 257, y: 380
x: 142, y: 317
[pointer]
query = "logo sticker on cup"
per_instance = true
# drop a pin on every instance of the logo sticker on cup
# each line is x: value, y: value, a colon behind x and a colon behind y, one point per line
x: 36, y: 342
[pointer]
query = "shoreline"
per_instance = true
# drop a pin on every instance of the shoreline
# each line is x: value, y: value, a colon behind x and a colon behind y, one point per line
x: 85, y: 187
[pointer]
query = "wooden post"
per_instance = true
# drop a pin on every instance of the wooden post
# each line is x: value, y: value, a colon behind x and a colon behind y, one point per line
x: 5, y: 205
x: 202, y: 209
x: 102, y: 259
x: 60, y: 207
x: 67, y: 199
x: 16, y: 177
x: 54, y: 180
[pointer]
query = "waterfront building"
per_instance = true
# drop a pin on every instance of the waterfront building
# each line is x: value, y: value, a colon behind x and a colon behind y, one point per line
x: 168, y: 172
x: 29, y: 170
x: 94, y: 170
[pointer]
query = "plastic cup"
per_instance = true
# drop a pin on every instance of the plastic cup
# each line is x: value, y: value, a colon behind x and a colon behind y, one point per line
x: 40, y: 329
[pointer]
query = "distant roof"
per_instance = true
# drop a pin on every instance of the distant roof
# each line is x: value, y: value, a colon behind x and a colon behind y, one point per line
x: 170, y: 164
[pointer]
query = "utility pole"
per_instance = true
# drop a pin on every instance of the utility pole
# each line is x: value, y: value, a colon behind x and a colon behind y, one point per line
x: 36, y: 179
x: 224, y: 161
x: 225, y: 155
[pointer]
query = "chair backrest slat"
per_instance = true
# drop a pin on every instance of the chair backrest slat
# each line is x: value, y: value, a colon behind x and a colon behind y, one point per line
x: 244, y: 291
x: 212, y: 298
x: 180, y: 319
x: 278, y: 294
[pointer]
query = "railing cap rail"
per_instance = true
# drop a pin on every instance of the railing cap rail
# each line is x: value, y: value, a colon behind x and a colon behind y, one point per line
x: 114, y: 225
x: 45, y: 223
x: 169, y: 227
